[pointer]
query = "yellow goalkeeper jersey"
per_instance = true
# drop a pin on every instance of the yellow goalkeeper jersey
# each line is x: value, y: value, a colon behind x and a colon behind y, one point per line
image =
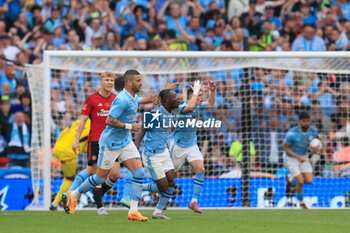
x: 63, y: 150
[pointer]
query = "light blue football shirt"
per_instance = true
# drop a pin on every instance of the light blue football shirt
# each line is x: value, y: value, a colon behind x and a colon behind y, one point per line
x: 156, y: 138
x: 187, y: 136
x: 299, y: 141
x: 123, y: 108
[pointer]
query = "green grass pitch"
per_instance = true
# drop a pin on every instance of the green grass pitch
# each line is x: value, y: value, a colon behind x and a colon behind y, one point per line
x: 213, y: 220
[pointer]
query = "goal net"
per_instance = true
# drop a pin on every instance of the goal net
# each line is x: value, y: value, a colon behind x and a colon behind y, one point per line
x: 258, y: 99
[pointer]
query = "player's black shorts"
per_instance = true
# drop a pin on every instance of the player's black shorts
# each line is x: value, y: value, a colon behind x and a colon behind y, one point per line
x: 93, y: 151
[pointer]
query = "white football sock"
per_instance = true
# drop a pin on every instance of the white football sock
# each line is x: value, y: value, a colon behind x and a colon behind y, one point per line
x: 76, y: 194
x: 133, y: 206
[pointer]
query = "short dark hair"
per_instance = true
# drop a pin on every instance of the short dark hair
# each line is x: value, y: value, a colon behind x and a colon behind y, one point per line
x: 315, y: 102
x: 25, y: 95
x: 307, y: 25
x: 189, y: 92
x: 304, y: 115
x: 171, y: 33
x: 286, y: 101
x: 137, y: 7
x: 129, y: 75
x: 222, y: 106
x: 119, y: 83
x: 34, y: 8
x: 45, y: 31
x: 290, y: 18
x: 227, y: 43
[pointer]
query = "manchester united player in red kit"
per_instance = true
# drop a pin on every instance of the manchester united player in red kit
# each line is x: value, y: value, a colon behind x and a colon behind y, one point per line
x: 96, y: 107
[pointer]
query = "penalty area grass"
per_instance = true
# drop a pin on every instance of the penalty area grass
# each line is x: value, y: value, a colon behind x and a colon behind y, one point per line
x: 211, y: 220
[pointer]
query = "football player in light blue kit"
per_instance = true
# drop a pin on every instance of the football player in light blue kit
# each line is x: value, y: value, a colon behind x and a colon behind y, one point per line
x: 183, y: 144
x: 296, y: 143
x: 155, y: 156
x: 119, y: 86
x: 116, y: 143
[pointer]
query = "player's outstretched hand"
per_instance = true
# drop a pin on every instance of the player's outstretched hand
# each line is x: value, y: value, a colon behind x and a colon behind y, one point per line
x: 170, y: 86
x: 302, y: 159
x: 76, y: 147
x: 211, y: 86
x: 196, y: 87
x: 135, y: 127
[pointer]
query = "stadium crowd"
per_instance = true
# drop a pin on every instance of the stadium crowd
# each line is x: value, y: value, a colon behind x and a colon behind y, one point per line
x: 27, y: 28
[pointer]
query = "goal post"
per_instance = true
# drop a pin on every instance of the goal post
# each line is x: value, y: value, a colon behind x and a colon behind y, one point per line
x: 187, y: 66
x: 47, y: 130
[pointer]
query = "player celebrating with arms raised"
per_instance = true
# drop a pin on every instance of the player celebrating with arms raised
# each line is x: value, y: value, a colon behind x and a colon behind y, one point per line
x: 155, y: 156
x: 184, y: 141
x: 295, y: 145
x: 116, y: 142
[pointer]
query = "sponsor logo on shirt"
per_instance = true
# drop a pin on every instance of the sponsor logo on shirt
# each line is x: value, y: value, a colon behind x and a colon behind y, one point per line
x: 103, y: 113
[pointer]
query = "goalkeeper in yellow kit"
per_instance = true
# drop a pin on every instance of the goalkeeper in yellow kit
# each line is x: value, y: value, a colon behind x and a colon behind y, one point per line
x: 64, y: 153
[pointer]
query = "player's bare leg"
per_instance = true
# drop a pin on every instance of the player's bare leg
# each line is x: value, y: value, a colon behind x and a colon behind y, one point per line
x: 299, y: 189
x: 308, y: 178
x: 198, y: 166
x: 289, y: 182
x: 166, y: 187
x: 135, y: 166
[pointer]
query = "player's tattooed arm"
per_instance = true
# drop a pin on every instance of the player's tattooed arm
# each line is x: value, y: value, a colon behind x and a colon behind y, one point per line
x: 111, y: 121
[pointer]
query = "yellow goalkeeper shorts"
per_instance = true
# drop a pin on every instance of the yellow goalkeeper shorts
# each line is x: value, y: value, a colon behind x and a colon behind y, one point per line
x: 69, y: 167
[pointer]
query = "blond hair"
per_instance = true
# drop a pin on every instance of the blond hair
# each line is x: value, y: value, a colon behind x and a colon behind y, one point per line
x: 107, y: 74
